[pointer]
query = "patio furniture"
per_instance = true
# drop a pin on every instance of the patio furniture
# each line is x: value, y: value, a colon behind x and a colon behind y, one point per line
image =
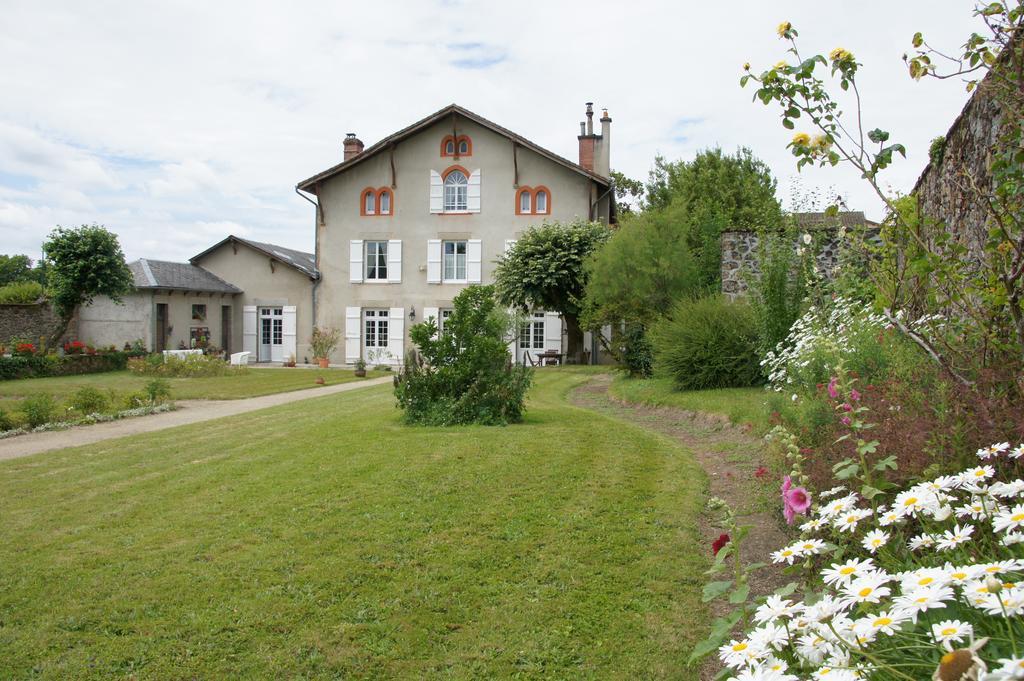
x: 240, y: 358
x: 549, y: 357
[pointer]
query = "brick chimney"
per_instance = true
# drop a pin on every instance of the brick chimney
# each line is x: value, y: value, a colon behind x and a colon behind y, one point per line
x: 594, y: 149
x: 353, y: 146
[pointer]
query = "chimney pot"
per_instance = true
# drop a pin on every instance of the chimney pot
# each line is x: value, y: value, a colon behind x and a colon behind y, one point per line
x: 352, y: 145
x: 590, y: 118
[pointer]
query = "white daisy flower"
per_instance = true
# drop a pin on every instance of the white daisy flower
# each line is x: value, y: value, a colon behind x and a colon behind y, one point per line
x: 974, y: 510
x: 809, y: 547
x: 998, y: 567
x: 786, y: 555
x: 913, y: 501
x: 769, y: 637
x: 834, y: 491
x: 835, y: 674
x: 812, y: 525
x: 1010, y: 668
x: 837, y: 506
x: 922, y: 577
x: 773, y: 608
x: 738, y: 653
x: 923, y: 599
x: 948, y: 632
x: 1017, y: 451
x: 868, y: 589
x: 847, y: 521
x: 844, y: 573
x: 986, y: 453
x: 889, y: 517
x: 885, y: 622
x: 1012, y: 538
x: 1012, y: 519
x: 921, y: 541
x: 1010, y: 601
x: 953, y: 538
x: 1013, y: 489
x: 960, y: 574
x: 977, y: 474
x: 943, y: 483
x: 874, y: 540
x: 942, y: 513
x: 812, y: 648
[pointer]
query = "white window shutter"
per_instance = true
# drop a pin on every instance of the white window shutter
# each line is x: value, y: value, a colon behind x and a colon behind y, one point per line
x: 249, y: 330
x: 395, y: 261
x: 434, y: 312
x: 473, y: 192
x: 288, y: 330
x: 396, y: 334
x: 434, y: 261
x: 352, y: 337
x: 355, y: 261
x: 474, y: 256
x: 436, y: 192
x: 509, y: 243
x: 552, y: 331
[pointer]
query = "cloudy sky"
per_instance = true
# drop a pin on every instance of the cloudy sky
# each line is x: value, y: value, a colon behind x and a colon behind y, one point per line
x: 177, y: 123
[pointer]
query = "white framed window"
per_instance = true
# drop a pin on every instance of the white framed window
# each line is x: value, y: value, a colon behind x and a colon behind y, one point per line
x: 463, y: 147
x: 541, y: 201
x: 446, y: 313
x: 375, y: 329
x: 531, y: 332
x: 376, y: 260
x: 385, y: 202
x: 454, y: 260
x: 456, y: 191
x: 369, y: 203
x: 449, y: 147
x: 524, y: 202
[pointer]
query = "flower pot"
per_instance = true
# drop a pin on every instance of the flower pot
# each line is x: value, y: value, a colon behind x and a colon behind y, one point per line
x: 319, y: 380
x: 361, y: 373
x: 323, y: 362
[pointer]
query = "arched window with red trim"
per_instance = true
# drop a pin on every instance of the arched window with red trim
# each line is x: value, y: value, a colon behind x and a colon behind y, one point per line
x: 457, y: 146
x: 368, y: 202
x: 533, y: 201
x: 384, y: 201
x: 375, y: 201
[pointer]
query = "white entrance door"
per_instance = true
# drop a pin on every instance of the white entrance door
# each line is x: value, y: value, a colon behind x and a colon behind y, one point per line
x: 531, y: 338
x: 271, y: 334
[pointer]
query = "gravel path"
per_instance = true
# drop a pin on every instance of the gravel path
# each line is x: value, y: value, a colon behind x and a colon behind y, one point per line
x: 189, y: 411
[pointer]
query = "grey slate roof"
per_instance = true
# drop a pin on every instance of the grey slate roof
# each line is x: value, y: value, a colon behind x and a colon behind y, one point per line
x: 179, y: 276
x: 300, y: 260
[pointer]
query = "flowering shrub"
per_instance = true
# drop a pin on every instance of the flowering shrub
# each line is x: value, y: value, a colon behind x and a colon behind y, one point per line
x: 818, y: 341
x: 925, y: 584
x: 24, y: 349
x: 74, y: 348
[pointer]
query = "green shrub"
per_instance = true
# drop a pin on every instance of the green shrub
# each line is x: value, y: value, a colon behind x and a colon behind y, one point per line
x: 39, y: 365
x: 135, y: 400
x: 463, y: 374
x: 5, y: 421
x: 707, y: 343
x: 158, y: 390
x: 21, y: 293
x: 89, y: 400
x: 637, y: 354
x: 777, y: 292
x: 38, y: 409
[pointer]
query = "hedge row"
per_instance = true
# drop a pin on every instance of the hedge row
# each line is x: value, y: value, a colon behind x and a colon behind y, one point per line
x: 37, y: 366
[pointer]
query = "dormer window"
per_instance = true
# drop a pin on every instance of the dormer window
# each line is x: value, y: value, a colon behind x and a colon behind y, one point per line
x: 457, y: 146
x: 376, y: 201
x: 533, y: 201
x: 456, y: 191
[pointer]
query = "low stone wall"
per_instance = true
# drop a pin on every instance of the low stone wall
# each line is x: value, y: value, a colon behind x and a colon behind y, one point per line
x: 32, y: 322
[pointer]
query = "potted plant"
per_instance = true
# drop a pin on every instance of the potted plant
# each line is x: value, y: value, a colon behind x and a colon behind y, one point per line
x: 360, y: 367
x: 289, y: 361
x: 323, y: 343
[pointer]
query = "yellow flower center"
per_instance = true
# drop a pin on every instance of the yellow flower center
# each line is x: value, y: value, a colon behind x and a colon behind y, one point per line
x: 910, y: 502
x: 787, y: 552
x: 1017, y: 518
x: 865, y: 592
x: 993, y: 569
x: 739, y: 647
x: 925, y: 581
x: 808, y: 546
x: 979, y: 473
x: 948, y: 631
x: 883, y: 622
x: 847, y: 571
x: 959, y: 575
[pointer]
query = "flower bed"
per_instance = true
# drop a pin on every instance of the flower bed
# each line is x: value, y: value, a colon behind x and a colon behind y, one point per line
x: 34, y: 365
x: 90, y: 419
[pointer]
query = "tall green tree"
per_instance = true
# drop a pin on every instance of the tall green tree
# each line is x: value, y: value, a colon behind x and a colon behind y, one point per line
x: 14, y: 268
x: 629, y: 193
x: 645, y: 266
x: 544, y: 270
x: 719, y: 192
x: 83, y: 263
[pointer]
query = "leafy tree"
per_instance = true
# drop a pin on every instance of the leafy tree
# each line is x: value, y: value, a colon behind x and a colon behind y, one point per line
x: 463, y: 374
x: 544, y: 270
x: 645, y: 265
x: 718, y: 192
x: 83, y: 263
x: 17, y: 268
x: 629, y: 193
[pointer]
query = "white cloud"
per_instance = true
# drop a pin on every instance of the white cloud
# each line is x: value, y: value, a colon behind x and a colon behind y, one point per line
x: 169, y: 121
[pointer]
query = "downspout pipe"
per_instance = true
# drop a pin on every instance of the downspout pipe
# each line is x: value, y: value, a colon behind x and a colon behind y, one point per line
x: 316, y: 250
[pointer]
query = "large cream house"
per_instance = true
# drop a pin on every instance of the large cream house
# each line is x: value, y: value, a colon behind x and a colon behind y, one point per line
x: 404, y: 225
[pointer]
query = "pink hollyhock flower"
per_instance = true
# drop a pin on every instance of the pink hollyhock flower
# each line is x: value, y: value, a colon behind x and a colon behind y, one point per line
x: 845, y: 420
x: 795, y: 500
x: 832, y: 392
x: 760, y: 472
x: 847, y: 406
x: 854, y: 395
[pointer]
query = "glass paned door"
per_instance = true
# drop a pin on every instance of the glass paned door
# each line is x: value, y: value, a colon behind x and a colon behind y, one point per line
x: 271, y: 334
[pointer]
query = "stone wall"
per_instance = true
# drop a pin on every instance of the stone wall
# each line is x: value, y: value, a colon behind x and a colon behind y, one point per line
x: 32, y: 322
x: 942, y: 189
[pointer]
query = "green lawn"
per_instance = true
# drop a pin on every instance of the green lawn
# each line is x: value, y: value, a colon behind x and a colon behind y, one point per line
x: 324, y: 539
x: 252, y: 383
x: 740, y: 405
